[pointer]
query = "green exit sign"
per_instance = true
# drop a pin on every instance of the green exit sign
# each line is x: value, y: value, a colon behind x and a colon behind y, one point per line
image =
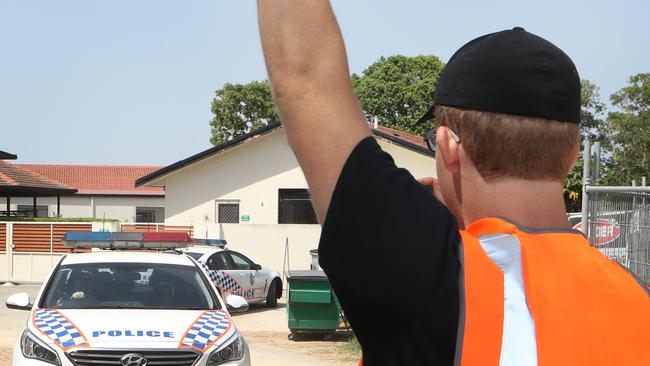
x: 246, y: 218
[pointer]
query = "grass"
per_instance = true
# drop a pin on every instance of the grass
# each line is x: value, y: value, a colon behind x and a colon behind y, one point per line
x: 352, y: 349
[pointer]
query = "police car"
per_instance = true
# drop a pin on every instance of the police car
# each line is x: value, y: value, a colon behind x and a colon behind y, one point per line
x: 233, y: 273
x: 130, y: 308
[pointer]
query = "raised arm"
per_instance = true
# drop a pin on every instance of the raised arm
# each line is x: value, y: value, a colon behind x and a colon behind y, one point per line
x: 307, y: 65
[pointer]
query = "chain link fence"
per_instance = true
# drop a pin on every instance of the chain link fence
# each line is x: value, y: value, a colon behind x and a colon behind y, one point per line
x: 619, y: 225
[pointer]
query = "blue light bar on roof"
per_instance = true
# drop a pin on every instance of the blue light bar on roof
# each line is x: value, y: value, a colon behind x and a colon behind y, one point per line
x: 119, y: 240
x: 221, y: 243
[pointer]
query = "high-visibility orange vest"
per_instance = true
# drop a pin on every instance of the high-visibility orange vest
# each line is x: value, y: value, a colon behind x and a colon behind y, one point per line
x: 576, y: 307
x: 538, y: 297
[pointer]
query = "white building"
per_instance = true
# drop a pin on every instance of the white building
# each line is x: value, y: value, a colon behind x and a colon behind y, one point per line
x: 103, y: 191
x: 252, y: 192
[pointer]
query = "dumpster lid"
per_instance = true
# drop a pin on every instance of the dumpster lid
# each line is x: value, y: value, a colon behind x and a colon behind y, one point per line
x: 307, y: 275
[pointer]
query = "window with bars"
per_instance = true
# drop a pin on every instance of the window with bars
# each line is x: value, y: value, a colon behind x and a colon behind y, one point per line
x: 295, y: 207
x: 228, y: 213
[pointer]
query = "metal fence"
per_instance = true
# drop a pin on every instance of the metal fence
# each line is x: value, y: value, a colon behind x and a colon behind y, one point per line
x: 29, y: 249
x: 619, y: 225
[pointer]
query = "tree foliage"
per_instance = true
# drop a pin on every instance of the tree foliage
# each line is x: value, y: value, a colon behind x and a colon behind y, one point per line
x: 630, y: 132
x: 240, y: 108
x: 398, y: 90
x: 592, y: 123
x: 624, y: 136
x: 593, y: 127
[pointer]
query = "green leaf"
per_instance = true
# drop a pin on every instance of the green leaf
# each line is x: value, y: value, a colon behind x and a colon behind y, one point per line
x: 398, y: 90
x: 240, y: 108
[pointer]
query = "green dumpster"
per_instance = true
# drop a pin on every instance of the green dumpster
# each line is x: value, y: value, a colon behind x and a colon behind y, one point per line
x: 311, y: 305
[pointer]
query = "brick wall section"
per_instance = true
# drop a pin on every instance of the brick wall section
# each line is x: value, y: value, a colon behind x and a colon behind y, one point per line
x: 36, y: 237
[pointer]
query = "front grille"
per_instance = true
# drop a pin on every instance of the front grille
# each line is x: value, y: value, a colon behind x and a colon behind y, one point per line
x: 100, y: 357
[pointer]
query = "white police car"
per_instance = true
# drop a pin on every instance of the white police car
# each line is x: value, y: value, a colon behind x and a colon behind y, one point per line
x: 128, y: 308
x: 233, y: 273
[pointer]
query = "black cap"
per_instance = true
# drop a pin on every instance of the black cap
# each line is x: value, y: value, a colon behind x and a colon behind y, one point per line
x: 512, y: 72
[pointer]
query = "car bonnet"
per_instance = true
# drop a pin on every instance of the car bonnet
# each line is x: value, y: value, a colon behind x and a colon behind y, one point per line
x: 70, y: 329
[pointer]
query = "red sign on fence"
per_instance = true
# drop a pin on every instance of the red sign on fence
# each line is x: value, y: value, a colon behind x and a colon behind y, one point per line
x: 607, y: 230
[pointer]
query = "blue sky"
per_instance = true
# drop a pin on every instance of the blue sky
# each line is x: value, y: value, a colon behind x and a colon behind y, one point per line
x: 130, y: 82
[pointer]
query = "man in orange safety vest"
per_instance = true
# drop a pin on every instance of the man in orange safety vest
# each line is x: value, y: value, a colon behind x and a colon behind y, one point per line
x: 485, y: 271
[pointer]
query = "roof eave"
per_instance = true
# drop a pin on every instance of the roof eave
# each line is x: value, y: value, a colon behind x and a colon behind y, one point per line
x: 7, y: 156
x: 23, y: 191
x: 84, y: 192
x: 406, y: 144
x: 151, y: 177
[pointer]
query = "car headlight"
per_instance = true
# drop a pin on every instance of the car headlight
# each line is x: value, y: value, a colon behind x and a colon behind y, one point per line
x: 231, y: 351
x: 32, y: 347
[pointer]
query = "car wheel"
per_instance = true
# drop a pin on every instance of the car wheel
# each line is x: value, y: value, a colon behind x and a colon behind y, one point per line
x: 271, y: 297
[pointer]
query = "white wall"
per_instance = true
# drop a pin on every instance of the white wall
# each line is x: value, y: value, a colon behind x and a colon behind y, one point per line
x: 31, y: 267
x: 417, y: 164
x: 265, y: 244
x: 252, y: 173
x: 123, y: 208
x: 113, y: 207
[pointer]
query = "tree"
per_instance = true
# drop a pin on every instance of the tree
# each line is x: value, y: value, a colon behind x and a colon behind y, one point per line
x: 593, y: 127
x: 592, y: 124
x: 630, y: 132
x: 238, y: 109
x: 398, y: 90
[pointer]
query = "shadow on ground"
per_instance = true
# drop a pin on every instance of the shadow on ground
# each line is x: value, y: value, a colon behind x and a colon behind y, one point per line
x: 340, y: 335
x: 259, y: 308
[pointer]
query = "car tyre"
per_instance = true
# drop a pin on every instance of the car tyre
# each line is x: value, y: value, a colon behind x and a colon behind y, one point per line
x: 271, y: 297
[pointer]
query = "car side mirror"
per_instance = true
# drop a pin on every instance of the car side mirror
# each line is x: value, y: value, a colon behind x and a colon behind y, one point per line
x: 257, y: 267
x: 236, y: 303
x: 19, y: 301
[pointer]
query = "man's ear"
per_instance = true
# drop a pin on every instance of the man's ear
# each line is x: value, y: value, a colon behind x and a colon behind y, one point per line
x: 576, y: 155
x: 447, y: 149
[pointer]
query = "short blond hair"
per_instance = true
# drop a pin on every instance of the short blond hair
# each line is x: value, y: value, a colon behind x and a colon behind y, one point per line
x: 509, y: 146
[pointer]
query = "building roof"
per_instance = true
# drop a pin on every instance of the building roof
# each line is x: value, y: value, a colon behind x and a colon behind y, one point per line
x: 7, y: 156
x: 403, y: 139
x: 98, y: 179
x: 18, y: 182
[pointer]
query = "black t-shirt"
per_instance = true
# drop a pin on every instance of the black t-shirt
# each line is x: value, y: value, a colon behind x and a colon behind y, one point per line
x: 390, y: 251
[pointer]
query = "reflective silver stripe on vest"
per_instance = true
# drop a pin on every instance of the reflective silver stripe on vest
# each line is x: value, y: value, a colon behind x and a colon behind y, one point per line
x: 518, y: 345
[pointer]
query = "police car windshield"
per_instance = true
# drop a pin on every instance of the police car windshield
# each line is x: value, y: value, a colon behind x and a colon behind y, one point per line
x: 128, y: 286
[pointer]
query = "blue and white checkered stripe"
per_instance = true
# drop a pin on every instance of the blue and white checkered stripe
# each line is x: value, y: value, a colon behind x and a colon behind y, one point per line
x: 58, y: 328
x: 221, y: 279
x: 206, y: 330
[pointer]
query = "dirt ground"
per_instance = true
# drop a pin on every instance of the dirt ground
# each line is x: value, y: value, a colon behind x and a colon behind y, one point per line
x: 265, y: 331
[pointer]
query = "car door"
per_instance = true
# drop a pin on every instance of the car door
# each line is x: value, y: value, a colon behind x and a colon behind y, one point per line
x: 249, y: 278
x: 220, y: 264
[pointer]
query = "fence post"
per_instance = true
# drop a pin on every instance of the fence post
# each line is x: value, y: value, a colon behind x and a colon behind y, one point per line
x: 596, y: 168
x: 286, y: 266
x: 51, y: 243
x: 586, y: 180
x: 10, y: 250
